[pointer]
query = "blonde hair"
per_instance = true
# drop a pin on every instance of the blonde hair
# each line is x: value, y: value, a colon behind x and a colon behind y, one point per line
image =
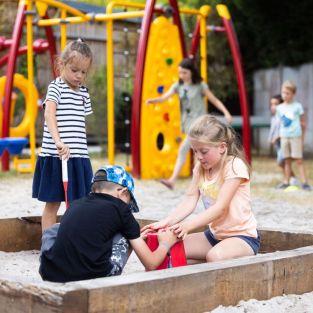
x: 209, y: 130
x: 70, y: 52
x: 290, y: 85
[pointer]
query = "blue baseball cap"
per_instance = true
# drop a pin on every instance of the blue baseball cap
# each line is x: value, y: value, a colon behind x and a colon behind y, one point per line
x: 117, y: 174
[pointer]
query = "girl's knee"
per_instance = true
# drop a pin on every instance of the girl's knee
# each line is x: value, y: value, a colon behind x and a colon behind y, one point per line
x: 52, y: 206
x: 214, y: 255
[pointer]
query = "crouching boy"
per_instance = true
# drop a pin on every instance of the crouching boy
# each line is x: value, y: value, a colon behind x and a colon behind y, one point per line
x: 94, y: 235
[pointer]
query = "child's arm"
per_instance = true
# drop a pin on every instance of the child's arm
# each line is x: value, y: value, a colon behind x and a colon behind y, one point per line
x: 218, y: 104
x: 151, y: 260
x: 184, y: 208
x: 302, y: 123
x: 274, y: 139
x: 303, y: 126
x: 163, y: 98
x: 226, y: 193
x: 50, y: 118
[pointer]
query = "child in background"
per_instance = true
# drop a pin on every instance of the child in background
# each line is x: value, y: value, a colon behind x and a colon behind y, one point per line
x: 274, y: 139
x: 292, y: 128
x: 221, y: 179
x: 93, y: 238
x: 192, y: 92
x: 66, y: 104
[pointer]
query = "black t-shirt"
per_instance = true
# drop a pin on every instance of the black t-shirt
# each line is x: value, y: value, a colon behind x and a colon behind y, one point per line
x: 84, y: 242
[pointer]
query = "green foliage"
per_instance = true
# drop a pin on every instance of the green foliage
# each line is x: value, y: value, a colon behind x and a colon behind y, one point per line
x: 96, y: 122
x: 273, y: 32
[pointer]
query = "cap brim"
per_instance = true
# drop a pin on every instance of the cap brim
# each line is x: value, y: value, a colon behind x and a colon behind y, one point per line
x: 133, y: 204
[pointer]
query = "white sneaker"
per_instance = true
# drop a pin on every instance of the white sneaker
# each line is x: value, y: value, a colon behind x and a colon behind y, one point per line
x: 294, y: 181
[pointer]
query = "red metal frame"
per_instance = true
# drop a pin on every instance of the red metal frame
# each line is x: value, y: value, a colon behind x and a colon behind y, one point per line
x: 244, y: 105
x: 52, y: 46
x: 40, y: 46
x: 195, y: 40
x: 138, y: 82
x: 177, y: 22
x: 17, y: 33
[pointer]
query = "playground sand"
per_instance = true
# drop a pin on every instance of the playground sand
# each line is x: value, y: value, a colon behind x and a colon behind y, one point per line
x: 276, y: 209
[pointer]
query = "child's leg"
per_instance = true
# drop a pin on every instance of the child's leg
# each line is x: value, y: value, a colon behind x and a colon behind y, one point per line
x: 49, y: 215
x: 229, y: 248
x: 288, y: 169
x: 196, y: 247
x: 302, y: 172
x: 180, y: 161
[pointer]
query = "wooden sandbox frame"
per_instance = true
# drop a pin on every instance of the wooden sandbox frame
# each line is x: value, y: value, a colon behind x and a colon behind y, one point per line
x: 195, y: 288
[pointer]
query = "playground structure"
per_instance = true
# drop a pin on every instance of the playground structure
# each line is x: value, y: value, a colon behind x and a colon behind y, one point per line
x: 155, y: 129
x: 195, y: 288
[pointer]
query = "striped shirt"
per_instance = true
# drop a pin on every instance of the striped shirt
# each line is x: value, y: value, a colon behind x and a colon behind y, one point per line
x: 71, y: 108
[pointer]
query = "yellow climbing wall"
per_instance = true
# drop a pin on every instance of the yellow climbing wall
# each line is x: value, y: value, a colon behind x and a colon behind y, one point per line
x: 160, y: 133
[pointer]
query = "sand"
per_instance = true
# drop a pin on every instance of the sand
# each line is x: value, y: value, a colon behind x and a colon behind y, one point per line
x: 155, y: 202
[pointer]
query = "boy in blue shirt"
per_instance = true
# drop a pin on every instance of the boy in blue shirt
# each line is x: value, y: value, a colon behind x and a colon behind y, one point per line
x: 292, y: 126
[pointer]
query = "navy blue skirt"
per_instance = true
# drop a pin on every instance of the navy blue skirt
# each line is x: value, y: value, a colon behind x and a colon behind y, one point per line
x: 48, y: 185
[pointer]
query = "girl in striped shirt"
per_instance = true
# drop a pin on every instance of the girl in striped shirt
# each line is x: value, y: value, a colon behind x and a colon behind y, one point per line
x: 66, y: 105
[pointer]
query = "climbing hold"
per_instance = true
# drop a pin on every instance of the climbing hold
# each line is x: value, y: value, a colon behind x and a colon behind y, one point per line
x: 160, y: 89
x: 169, y: 61
x: 166, y: 117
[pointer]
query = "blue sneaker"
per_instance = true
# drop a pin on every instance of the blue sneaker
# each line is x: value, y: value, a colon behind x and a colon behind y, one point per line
x: 306, y: 186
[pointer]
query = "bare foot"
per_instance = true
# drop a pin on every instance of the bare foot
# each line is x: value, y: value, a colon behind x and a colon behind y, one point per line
x: 167, y: 184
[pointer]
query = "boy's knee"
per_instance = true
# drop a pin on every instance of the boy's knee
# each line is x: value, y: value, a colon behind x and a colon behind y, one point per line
x: 48, y: 237
x: 299, y: 161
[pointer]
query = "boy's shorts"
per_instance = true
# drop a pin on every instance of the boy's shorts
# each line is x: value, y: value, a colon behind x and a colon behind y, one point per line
x: 48, y: 237
x: 292, y: 147
x: 120, y: 253
x: 120, y: 248
x: 254, y: 243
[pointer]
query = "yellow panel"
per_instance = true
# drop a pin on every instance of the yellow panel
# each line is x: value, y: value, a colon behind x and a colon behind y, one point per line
x: 161, y: 120
x: 41, y: 8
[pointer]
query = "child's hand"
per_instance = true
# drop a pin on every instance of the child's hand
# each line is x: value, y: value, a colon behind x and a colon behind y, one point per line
x: 63, y: 150
x: 181, y: 230
x: 155, y: 226
x: 228, y: 117
x: 145, y: 232
x: 274, y: 140
x: 150, y: 101
x: 167, y: 236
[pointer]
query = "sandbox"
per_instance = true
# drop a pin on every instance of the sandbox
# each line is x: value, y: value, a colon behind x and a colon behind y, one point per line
x: 284, y: 266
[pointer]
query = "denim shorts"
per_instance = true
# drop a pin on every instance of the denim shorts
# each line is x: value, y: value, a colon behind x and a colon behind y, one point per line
x: 254, y: 243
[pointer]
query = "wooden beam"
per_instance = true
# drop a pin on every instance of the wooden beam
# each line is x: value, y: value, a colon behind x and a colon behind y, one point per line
x: 195, y: 288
